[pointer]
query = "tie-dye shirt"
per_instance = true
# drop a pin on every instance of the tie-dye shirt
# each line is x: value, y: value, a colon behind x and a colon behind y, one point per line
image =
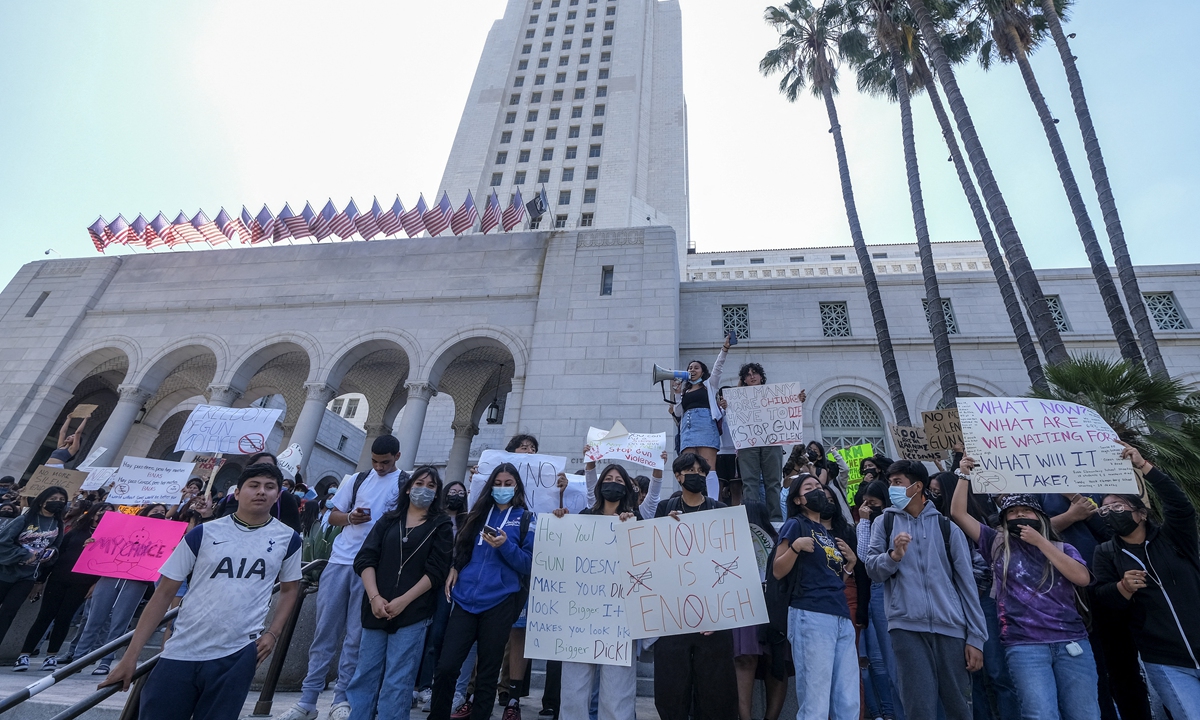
x: 1032, y: 611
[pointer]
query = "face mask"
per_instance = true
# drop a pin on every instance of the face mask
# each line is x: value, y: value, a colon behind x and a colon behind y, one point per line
x: 829, y: 510
x: 332, y: 490
x: 8, y: 512
x: 421, y: 497
x: 613, y: 492
x: 157, y: 516
x: 503, y: 495
x: 812, y: 455
x: 874, y: 511
x: 456, y: 503
x: 936, y: 497
x: 815, y: 500
x: 693, y: 483
x: 1121, y: 522
x: 55, y: 506
x: 899, y: 497
x: 1014, y: 526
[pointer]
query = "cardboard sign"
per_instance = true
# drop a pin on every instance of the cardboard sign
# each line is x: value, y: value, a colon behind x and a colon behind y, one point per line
x: 98, y: 478
x: 47, y: 476
x: 765, y: 414
x: 942, y: 429
x: 130, y: 547
x: 576, y: 610
x: 911, y: 444
x: 289, y: 461
x: 141, y: 481
x: 643, y: 449
x: 539, y: 474
x: 82, y: 411
x: 695, y: 574
x: 235, y: 431
x: 1026, y: 445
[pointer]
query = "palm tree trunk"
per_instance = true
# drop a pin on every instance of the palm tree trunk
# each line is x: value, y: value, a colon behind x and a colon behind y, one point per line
x: 933, y: 295
x: 883, y: 337
x: 1033, y: 364
x: 1091, y: 245
x: 1108, y: 204
x: 1023, y: 275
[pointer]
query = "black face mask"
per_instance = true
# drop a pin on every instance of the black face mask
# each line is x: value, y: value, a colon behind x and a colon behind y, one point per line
x: 1121, y: 522
x: 816, y: 501
x: 829, y: 510
x: 812, y: 455
x: 875, y: 511
x: 614, y: 492
x: 55, y: 506
x: 935, y: 497
x: 8, y: 512
x: 456, y: 503
x: 694, y: 483
x: 1014, y: 526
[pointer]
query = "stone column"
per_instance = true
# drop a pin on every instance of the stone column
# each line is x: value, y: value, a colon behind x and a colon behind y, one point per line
x: 512, y: 408
x: 120, y: 422
x: 412, y: 422
x: 373, y: 431
x: 308, y: 423
x: 460, y: 451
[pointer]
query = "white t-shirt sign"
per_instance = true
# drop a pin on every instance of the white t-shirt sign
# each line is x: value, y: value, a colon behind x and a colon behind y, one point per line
x: 141, y: 481
x: 539, y: 474
x: 237, y: 431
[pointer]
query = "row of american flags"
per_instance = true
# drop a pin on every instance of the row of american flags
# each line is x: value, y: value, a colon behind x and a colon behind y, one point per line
x: 374, y: 222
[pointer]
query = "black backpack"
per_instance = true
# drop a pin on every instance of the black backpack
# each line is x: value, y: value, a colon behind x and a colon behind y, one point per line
x: 778, y: 595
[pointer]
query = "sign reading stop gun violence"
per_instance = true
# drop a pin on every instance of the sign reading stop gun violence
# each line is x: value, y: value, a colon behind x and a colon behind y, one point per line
x: 141, y: 481
x: 694, y: 574
x: 1026, y: 445
x: 576, y: 611
x: 765, y: 414
x: 237, y: 431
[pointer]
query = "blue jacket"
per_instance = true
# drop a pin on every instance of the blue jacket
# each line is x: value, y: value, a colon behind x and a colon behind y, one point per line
x: 495, y: 573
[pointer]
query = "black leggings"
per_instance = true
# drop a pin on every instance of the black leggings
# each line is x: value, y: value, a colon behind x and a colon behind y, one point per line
x: 60, y: 602
x: 695, y: 668
x: 12, y: 594
x: 490, y: 629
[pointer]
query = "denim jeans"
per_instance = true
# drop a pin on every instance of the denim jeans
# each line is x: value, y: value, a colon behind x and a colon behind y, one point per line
x: 878, y: 629
x: 387, y: 673
x: 1052, y: 684
x: 877, y: 686
x: 995, y: 669
x: 1178, y: 688
x: 112, y: 607
x: 618, y: 690
x: 468, y: 671
x: 339, y: 621
x: 826, y: 665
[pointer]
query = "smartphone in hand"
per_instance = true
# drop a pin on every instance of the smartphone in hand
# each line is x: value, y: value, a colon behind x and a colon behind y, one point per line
x: 733, y: 337
x: 489, y: 530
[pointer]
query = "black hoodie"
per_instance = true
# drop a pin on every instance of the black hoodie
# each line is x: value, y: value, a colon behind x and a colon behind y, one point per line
x: 400, y: 564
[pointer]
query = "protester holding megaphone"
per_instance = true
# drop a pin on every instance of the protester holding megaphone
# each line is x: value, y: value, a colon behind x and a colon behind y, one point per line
x: 698, y: 412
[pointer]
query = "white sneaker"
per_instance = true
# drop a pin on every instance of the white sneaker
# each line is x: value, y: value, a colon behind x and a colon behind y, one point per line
x: 298, y: 713
x: 426, y: 698
x: 340, y: 711
x: 459, y: 699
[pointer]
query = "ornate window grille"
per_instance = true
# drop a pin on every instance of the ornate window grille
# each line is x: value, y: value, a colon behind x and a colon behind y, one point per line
x: 948, y: 310
x: 835, y: 319
x: 849, y: 420
x: 1056, y: 311
x: 1165, y: 311
x: 736, y: 319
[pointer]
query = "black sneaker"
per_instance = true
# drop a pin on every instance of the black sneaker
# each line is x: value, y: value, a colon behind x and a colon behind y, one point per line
x: 22, y: 664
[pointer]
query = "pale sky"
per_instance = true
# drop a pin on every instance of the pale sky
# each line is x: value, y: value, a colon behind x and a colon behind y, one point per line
x: 128, y: 107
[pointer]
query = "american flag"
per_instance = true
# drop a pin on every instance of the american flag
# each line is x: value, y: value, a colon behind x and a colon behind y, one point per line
x: 252, y: 227
x: 514, y: 213
x: 230, y: 227
x: 139, y: 229
x: 464, y: 218
x: 208, y: 229
x: 297, y: 225
x: 322, y: 224
x: 96, y: 231
x: 368, y: 222
x: 343, y: 222
x: 491, y: 214
x: 411, y: 220
x: 157, y: 230
x: 282, y: 231
x: 121, y: 232
x: 181, y: 231
x: 309, y: 216
x: 389, y: 220
x: 437, y: 218
x: 266, y: 223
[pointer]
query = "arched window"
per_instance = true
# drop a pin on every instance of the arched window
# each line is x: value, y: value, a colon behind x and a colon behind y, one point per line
x: 848, y: 420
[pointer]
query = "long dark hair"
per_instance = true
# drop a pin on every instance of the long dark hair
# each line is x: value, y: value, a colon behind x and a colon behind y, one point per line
x: 402, y: 502
x: 86, y: 523
x: 628, y: 503
x: 838, y: 526
x: 794, y: 492
x: 35, y: 507
x: 464, y: 544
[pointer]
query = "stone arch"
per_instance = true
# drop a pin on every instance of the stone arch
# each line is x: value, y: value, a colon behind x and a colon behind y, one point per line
x: 163, y: 447
x: 931, y: 394
x: 84, y: 361
x: 352, y: 351
x: 824, y: 391
x: 377, y: 365
x: 170, y: 357
x: 470, y: 338
x: 855, y: 419
x: 251, y: 361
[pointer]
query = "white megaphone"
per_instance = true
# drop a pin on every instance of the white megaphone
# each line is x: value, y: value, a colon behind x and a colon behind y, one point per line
x: 662, y: 374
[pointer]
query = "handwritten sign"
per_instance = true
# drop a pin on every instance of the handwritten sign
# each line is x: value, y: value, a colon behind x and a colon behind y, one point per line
x: 643, y: 449
x: 47, y: 476
x: 290, y: 460
x: 539, y: 474
x: 942, y: 429
x: 765, y: 414
x: 576, y: 607
x: 1025, y: 445
x: 695, y: 574
x: 911, y: 444
x: 237, y: 431
x: 130, y: 547
x: 141, y: 481
x: 854, y: 456
x: 98, y: 478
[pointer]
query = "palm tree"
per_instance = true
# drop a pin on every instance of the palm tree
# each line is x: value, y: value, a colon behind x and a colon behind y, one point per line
x: 808, y: 39
x: 1108, y: 204
x: 1013, y: 36
x: 1023, y: 275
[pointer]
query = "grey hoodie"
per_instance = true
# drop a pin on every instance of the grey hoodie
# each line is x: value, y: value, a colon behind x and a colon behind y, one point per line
x: 926, y: 591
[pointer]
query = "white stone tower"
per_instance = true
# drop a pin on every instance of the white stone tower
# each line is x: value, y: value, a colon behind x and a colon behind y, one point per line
x: 585, y: 97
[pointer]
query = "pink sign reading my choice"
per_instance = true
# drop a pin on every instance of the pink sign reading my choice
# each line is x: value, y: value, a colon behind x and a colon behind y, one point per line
x: 130, y: 547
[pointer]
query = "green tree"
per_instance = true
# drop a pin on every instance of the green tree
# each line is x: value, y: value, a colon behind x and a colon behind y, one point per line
x: 808, y: 45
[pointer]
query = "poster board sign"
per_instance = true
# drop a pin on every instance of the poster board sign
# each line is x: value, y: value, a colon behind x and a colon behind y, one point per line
x: 643, y: 449
x: 761, y: 415
x: 98, y: 478
x: 942, y: 429
x: 854, y: 456
x: 82, y: 411
x: 539, y: 474
x: 1027, y: 445
x: 141, y: 481
x: 911, y: 444
x: 129, y: 547
x: 92, y: 456
x: 47, y: 476
x: 290, y: 460
x: 235, y: 431
x: 695, y: 574
x: 576, y: 611
x: 206, y: 464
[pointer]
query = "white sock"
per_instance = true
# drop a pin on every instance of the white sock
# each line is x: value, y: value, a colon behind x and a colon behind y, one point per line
x: 714, y: 485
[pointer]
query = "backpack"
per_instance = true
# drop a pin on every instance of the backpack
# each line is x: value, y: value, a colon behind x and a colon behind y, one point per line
x: 778, y: 595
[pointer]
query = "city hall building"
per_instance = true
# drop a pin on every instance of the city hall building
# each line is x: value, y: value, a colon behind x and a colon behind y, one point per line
x: 456, y: 343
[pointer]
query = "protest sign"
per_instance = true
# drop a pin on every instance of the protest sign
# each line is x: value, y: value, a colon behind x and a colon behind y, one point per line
x: 539, y: 475
x: 942, y: 429
x: 141, y: 481
x: 576, y: 609
x: 695, y: 574
x: 1026, y: 445
x: 854, y: 456
x: 910, y: 443
x: 49, y: 476
x: 643, y: 449
x: 237, y: 431
x: 289, y: 461
x: 129, y: 547
x: 98, y: 478
x: 82, y: 411
x: 92, y: 456
x: 765, y: 414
